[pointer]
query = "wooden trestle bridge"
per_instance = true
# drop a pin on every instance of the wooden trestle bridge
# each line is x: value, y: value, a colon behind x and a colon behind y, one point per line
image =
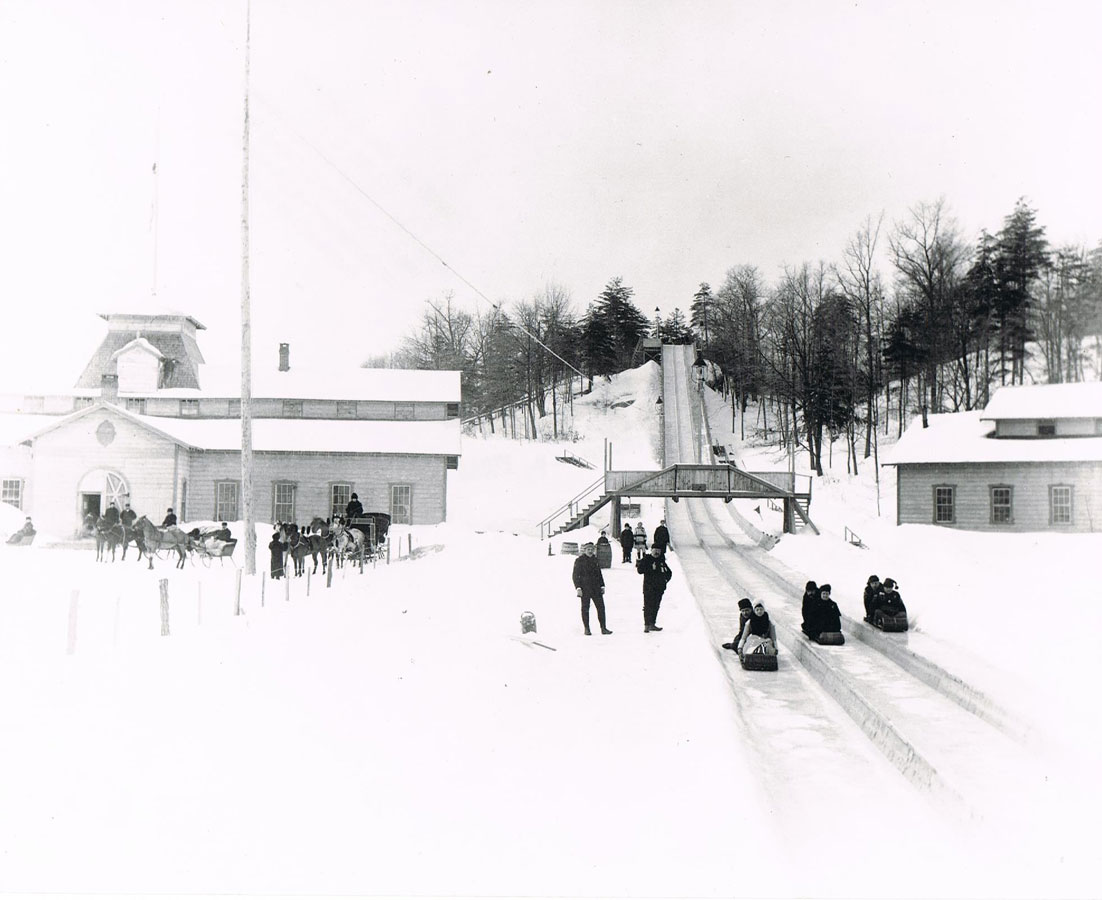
x: 696, y: 481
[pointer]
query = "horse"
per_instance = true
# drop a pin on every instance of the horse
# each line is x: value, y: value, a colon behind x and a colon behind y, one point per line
x: 105, y: 539
x: 171, y: 538
x: 320, y: 539
x: 117, y: 535
x: 297, y: 548
x: 349, y: 542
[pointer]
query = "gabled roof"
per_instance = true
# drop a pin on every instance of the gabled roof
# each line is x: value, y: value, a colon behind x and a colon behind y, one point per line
x: 966, y: 438
x: 138, y: 343
x: 100, y: 407
x: 1081, y: 400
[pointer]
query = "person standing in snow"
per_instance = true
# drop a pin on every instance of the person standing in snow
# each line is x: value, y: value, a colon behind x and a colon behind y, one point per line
x: 590, y: 586
x: 640, y: 534
x: 275, y: 546
x: 627, y: 541
x: 662, y: 537
x: 656, y: 575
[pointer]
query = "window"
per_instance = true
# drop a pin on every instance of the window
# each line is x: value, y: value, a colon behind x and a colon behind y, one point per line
x: 944, y: 505
x: 189, y: 407
x: 82, y: 402
x: 1046, y: 428
x: 292, y: 409
x: 452, y: 462
x: 225, y: 501
x: 1059, y: 504
x: 453, y: 411
x: 339, y: 495
x: 136, y: 405
x: 346, y: 409
x: 1002, y: 500
x: 235, y: 409
x: 13, y: 492
x: 1098, y: 426
x: 401, y: 504
x: 403, y: 410
x: 283, y: 501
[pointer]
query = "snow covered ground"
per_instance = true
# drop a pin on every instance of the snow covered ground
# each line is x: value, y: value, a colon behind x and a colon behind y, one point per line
x: 394, y: 735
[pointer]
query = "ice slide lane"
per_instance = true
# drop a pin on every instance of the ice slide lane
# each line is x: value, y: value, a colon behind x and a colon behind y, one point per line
x: 951, y: 754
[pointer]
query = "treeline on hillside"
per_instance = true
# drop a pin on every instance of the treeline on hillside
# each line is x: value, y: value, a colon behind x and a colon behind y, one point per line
x: 828, y: 344
x: 954, y: 319
x: 535, y: 353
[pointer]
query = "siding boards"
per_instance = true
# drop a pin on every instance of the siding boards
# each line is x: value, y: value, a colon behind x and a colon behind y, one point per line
x: 1030, y: 482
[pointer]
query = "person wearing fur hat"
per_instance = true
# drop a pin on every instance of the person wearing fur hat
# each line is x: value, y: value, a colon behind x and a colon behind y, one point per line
x: 872, y: 589
x: 744, y: 608
x: 889, y: 600
x: 807, y: 607
x: 589, y: 584
x: 758, y: 634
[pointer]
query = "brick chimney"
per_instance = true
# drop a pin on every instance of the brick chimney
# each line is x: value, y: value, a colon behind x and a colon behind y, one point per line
x: 284, y: 357
x: 109, y: 388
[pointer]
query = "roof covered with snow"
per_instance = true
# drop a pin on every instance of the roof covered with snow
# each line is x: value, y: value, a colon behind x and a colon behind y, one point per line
x: 17, y: 427
x: 304, y: 383
x: 967, y: 438
x: 1047, y: 401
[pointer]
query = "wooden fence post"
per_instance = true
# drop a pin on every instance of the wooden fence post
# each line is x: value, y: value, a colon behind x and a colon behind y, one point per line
x: 307, y: 582
x: 286, y: 587
x: 263, y: 581
x: 72, y: 641
x: 237, y: 591
x: 329, y: 573
x: 410, y: 553
x: 163, y: 584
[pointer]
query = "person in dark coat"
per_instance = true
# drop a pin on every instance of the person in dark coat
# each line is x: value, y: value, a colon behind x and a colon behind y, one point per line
x: 128, y: 517
x: 872, y: 589
x: 744, y: 609
x: 889, y: 600
x: 223, y: 533
x: 26, y: 531
x: 170, y: 519
x: 276, y: 548
x: 758, y: 631
x: 590, y: 586
x: 354, y: 509
x: 640, y: 535
x: 656, y: 575
x: 808, y: 607
x: 603, y: 539
x: 111, y: 515
x: 627, y: 541
x: 662, y: 537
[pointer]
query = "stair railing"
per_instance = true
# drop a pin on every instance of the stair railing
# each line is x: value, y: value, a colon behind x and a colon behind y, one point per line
x: 571, y: 507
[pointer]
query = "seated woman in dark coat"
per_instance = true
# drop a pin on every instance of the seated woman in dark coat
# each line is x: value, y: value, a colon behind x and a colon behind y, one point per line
x: 808, y: 606
x: 888, y: 600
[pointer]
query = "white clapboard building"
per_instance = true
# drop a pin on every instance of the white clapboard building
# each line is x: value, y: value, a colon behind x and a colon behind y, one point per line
x: 1030, y: 461
x: 149, y: 422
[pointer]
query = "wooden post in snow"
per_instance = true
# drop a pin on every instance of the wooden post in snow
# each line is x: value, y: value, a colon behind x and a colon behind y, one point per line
x: 163, y: 585
x: 286, y: 586
x: 329, y: 573
x: 307, y: 582
x: 237, y: 592
x: 71, y: 645
x: 263, y: 581
x: 246, y: 331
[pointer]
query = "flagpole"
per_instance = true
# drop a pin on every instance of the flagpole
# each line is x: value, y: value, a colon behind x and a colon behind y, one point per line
x: 246, y: 332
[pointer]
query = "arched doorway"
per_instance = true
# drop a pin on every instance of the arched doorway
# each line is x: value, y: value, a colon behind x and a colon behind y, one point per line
x: 97, y: 490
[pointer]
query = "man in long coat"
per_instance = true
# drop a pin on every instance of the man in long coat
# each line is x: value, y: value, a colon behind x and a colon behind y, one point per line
x: 627, y: 541
x: 590, y: 586
x: 656, y: 575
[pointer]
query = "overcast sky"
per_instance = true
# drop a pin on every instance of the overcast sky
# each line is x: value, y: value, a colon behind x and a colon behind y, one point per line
x: 524, y: 143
